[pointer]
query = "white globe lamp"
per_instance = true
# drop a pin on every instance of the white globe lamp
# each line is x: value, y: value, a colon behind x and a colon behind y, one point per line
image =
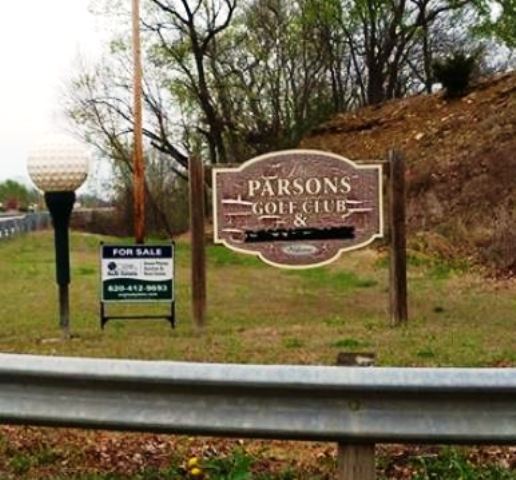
x: 58, y: 165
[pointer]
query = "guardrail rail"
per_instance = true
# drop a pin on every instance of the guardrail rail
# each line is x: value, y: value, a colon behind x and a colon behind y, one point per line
x: 355, y: 404
x: 13, y: 225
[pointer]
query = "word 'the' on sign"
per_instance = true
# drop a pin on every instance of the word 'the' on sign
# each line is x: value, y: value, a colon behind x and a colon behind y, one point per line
x: 297, y: 208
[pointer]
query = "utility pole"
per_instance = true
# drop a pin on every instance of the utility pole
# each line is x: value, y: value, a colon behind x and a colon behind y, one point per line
x: 138, y: 167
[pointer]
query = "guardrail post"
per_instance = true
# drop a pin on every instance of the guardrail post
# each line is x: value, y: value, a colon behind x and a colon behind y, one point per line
x: 356, y: 461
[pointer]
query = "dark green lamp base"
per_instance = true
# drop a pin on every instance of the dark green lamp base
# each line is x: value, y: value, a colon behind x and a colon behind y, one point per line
x: 60, y: 205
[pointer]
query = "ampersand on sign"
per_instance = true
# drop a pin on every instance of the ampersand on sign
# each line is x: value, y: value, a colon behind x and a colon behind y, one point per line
x: 299, y: 220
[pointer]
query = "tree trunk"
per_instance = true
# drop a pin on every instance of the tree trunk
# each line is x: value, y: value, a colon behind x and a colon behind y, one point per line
x: 375, y: 84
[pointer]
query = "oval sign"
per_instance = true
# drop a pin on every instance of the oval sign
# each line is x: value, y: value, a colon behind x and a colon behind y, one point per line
x: 297, y: 208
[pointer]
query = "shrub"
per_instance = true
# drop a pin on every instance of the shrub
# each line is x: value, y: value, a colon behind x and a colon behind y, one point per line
x: 455, y: 72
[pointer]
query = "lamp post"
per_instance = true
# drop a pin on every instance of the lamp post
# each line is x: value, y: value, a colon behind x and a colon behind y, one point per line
x: 58, y: 165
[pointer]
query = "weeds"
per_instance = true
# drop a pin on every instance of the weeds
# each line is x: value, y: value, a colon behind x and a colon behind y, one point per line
x: 20, y: 463
x: 340, y: 280
x: 293, y: 343
x: 350, y: 343
x: 451, y: 464
x: 221, y: 257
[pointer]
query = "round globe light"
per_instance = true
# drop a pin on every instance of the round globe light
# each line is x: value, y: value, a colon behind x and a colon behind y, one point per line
x: 58, y: 163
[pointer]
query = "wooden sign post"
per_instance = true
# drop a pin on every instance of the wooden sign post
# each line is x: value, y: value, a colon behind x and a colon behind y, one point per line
x: 196, y: 179
x: 398, y: 257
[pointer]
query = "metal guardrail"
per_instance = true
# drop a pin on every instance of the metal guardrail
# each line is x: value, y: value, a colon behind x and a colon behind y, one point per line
x: 439, y: 405
x: 12, y: 225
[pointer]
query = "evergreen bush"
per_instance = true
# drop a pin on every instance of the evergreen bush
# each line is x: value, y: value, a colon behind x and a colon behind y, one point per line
x: 456, y: 71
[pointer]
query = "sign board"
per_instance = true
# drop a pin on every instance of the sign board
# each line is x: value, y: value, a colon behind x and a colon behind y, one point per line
x: 137, y: 273
x: 297, y: 208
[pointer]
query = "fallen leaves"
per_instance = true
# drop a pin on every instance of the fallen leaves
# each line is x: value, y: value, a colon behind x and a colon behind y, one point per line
x: 44, y: 453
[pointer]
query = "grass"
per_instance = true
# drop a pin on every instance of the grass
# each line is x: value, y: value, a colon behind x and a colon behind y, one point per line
x: 335, y: 280
x: 453, y: 464
x: 350, y: 344
x: 258, y: 314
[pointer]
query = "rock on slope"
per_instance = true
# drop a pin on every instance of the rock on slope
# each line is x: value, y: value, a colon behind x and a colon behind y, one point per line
x: 461, y: 165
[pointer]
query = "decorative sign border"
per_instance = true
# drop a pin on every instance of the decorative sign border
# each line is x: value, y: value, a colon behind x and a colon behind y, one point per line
x: 278, y: 155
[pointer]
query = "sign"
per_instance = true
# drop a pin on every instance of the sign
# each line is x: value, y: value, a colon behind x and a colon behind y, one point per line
x: 297, y: 208
x: 137, y: 273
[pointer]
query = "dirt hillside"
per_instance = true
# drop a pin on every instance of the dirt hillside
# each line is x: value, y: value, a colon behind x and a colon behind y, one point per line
x: 461, y: 166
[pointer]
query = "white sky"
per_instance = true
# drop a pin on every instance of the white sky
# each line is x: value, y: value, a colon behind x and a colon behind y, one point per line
x: 39, y: 42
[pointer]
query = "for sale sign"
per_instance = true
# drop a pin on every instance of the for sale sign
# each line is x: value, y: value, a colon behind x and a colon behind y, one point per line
x: 297, y: 208
x: 137, y: 273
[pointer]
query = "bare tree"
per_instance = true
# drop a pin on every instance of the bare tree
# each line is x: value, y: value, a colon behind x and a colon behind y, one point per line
x: 186, y: 33
x: 383, y: 35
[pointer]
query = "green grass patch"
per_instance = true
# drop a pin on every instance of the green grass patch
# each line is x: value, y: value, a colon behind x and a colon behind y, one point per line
x: 240, y: 465
x: 293, y: 343
x: 350, y: 343
x: 257, y: 313
x: 434, y: 267
x: 425, y: 353
x: 220, y: 256
x: 85, y: 271
x: 340, y: 280
x: 20, y: 463
x: 451, y: 464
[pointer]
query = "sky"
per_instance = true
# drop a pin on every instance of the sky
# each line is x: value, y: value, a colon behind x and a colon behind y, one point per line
x: 39, y: 43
